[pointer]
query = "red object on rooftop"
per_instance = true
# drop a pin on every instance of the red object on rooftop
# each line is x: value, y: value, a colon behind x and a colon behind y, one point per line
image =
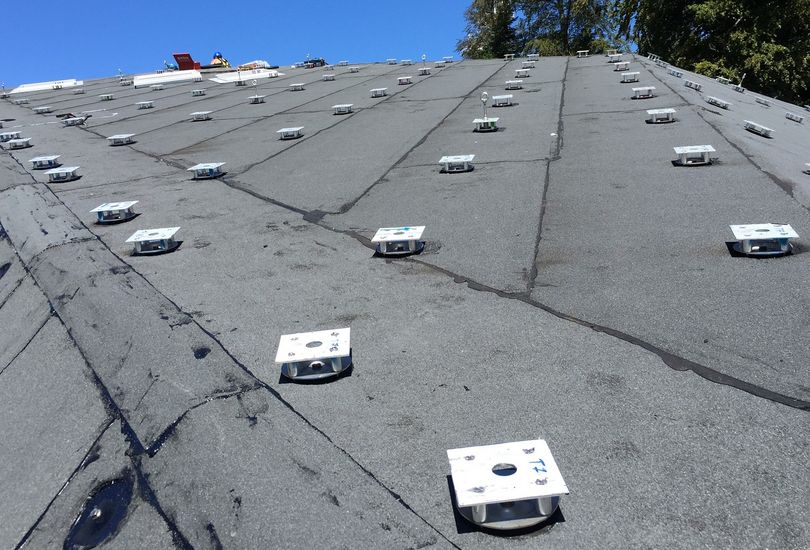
x: 185, y: 62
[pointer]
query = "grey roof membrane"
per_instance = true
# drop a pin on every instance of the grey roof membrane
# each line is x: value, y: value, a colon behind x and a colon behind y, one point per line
x: 575, y: 287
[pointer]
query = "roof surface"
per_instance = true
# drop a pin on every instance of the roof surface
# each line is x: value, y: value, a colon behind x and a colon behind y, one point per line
x: 575, y: 287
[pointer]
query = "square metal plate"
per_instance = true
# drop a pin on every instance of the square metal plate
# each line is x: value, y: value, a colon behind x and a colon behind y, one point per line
x: 311, y: 346
x: 763, y: 231
x: 535, y: 473
x: 153, y: 234
x: 110, y: 206
x: 407, y: 233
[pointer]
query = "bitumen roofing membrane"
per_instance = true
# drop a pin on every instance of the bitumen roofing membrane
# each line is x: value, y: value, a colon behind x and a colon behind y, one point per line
x: 575, y: 287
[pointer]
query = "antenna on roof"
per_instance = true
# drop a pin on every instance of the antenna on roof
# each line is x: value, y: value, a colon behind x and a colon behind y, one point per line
x: 484, y: 99
x: 762, y: 239
x: 256, y: 98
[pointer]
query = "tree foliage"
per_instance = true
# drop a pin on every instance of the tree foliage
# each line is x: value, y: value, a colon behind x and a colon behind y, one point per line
x: 549, y: 27
x: 767, y: 42
x: 490, y: 29
x: 560, y: 27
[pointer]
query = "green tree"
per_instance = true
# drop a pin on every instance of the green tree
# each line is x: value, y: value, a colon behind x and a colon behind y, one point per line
x: 767, y: 42
x: 490, y: 29
x: 559, y: 27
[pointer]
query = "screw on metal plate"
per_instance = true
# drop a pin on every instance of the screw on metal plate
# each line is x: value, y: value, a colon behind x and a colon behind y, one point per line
x: 457, y: 163
x: 315, y: 355
x: 757, y: 128
x: 399, y: 241
x: 63, y: 174
x: 507, y: 486
x: 693, y: 155
x: 661, y: 116
x: 644, y: 92
x: 154, y: 241
x: 199, y: 116
x: 207, y: 170
x: 114, y: 212
x: 763, y: 239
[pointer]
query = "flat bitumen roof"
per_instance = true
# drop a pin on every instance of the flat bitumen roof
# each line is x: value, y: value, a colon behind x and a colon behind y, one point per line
x: 574, y: 287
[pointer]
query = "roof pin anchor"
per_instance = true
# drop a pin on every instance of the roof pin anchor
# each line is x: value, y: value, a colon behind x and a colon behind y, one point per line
x: 256, y: 98
x: 762, y: 240
x: 399, y: 241
x: 312, y: 356
x: 424, y: 70
x: 485, y: 124
x: 506, y: 486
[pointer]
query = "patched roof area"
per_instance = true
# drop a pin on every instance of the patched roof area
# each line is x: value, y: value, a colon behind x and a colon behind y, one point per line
x: 575, y: 286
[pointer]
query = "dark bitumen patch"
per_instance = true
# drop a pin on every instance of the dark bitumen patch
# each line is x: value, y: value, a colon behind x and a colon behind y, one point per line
x: 102, y: 515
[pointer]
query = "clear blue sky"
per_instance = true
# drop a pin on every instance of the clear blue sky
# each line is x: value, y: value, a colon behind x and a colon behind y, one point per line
x: 83, y: 39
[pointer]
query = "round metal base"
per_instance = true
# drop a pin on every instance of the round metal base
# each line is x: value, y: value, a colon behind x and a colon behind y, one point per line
x: 420, y: 246
x: 115, y: 221
x: 458, y: 171
x: 311, y: 371
x: 209, y: 177
x: 485, y: 130
x: 509, y: 516
x: 693, y: 163
x: 661, y: 121
x: 738, y: 248
x: 762, y: 134
x: 157, y: 252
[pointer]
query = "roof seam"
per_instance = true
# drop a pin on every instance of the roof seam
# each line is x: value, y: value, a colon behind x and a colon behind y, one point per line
x: 140, y: 449
x: 784, y: 186
x: 532, y: 278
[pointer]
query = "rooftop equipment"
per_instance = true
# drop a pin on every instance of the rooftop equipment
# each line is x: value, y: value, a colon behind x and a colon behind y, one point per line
x: 316, y: 355
x: 154, y: 241
x: 506, y: 486
x: 114, y: 212
x: 399, y: 241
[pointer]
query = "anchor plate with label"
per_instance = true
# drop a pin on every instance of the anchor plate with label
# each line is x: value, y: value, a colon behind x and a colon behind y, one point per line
x: 506, y: 486
x: 315, y: 355
x: 457, y: 163
x: 399, y: 241
x: 114, y: 212
x: 154, y: 241
x: 763, y: 239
